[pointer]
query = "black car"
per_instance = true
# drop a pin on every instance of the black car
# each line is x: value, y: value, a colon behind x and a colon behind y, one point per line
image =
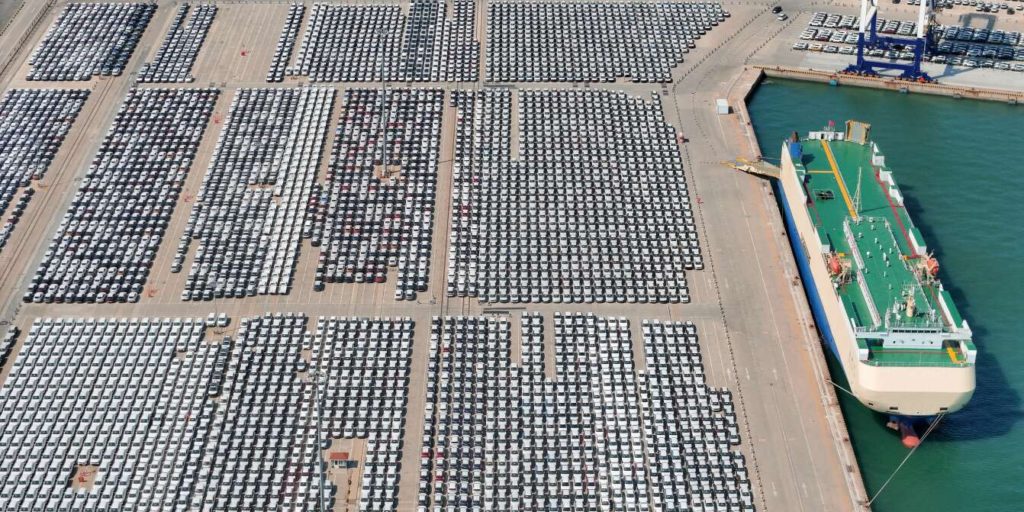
x: 777, y: 9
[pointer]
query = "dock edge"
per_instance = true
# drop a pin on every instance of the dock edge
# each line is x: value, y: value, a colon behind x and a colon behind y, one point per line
x: 742, y: 89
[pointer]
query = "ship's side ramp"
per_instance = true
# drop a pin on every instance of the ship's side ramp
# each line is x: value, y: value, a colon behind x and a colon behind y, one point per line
x: 757, y: 168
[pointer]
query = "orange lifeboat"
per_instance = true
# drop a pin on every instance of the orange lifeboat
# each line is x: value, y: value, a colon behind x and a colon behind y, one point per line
x: 835, y: 266
x: 931, y: 266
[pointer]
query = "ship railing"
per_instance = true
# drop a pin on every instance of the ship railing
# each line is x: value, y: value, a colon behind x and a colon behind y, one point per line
x: 906, y: 364
x: 851, y: 241
x: 952, y: 354
x: 936, y: 331
x: 917, y: 324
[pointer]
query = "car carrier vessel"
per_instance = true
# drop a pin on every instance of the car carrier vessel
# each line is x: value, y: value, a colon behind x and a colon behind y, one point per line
x: 871, y: 281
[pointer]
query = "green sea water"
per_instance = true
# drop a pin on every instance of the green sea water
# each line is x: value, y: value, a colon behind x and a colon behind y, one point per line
x: 959, y: 164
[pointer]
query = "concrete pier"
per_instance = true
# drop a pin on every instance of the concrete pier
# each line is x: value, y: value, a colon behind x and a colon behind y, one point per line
x: 893, y: 84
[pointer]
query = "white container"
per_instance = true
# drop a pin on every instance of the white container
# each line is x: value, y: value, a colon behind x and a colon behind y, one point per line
x: 722, y: 106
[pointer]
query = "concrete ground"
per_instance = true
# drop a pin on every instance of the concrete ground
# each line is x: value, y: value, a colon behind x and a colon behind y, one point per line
x: 755, y: 329
x: 18, y: 22
x: 8, y: 8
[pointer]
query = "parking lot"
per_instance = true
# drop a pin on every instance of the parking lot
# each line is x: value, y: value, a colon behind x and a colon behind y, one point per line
x: 599, y: 42
x: 33, y: 127
x: 177, y: 53
x: 239, y: 47
x: 540, y: 433
x: 594, y: 168
x: 960, y: 46
x: 88, y: 40
x: 420, y: 134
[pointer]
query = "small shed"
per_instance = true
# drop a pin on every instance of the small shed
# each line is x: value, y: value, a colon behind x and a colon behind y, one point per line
x: 722, y: 106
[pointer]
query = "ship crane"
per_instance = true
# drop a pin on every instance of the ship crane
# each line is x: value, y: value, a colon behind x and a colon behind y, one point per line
x: 869, y: 39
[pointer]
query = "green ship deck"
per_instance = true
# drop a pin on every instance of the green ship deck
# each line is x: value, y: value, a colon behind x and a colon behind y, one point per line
x: 857, y: 210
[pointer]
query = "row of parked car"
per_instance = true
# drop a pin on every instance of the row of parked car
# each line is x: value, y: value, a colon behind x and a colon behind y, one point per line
x: 851, y: 22
x: 178, y: 52
x: 249, y: 215
x: 593, y: 42
x: 973, y: 59
x: 97, y: 412
x: 980, y: 35
x: 829, y: 35
x: 106, y: 242
x: 594, y: 168
x: 33, y: 125
x: 286, y: 44
x: 824, y: 23
x: 9, y: 223
x: 980, y: 50
x: 290, y: 395
x: 500, y: 436
x: 7, y: 345
x: 377, y: 210
x: 979, y: 6
x: 957, y: 46
x: 364, y: 43
x: 90, y: 39
x: 827, y: 20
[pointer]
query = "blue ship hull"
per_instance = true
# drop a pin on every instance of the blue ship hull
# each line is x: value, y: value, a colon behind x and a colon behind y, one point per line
x: 802, y: 263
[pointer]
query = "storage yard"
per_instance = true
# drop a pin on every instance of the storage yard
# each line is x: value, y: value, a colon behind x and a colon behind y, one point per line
x: 240, y: 272
x: 975, y: 46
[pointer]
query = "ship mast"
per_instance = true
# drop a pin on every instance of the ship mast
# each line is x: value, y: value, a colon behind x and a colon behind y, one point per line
x: 856, y: 195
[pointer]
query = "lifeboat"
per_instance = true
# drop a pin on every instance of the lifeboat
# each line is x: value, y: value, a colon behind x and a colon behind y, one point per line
x: 835, y: 265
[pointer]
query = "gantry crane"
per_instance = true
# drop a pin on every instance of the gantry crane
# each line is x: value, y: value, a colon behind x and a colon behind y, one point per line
x: 868, y: 39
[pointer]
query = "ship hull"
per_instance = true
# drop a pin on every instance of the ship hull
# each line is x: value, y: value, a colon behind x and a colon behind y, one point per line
x: 803, y: 265
x: 912, y: 394
x: 907, y: 426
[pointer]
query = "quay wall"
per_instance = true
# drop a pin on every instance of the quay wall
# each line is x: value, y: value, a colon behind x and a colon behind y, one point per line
x: 742, y: 89
x: 893, y: 84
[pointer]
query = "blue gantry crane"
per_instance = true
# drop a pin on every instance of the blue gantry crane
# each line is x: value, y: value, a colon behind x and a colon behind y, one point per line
x: 868, y: 39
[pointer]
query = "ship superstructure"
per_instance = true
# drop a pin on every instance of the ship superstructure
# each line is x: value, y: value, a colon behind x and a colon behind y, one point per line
x: 872, y: 283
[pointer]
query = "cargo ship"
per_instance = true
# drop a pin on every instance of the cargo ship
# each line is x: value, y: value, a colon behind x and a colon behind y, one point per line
x: 871, y: 281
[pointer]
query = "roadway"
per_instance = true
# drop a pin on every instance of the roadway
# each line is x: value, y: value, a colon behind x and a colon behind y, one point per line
x: 775, y: 353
